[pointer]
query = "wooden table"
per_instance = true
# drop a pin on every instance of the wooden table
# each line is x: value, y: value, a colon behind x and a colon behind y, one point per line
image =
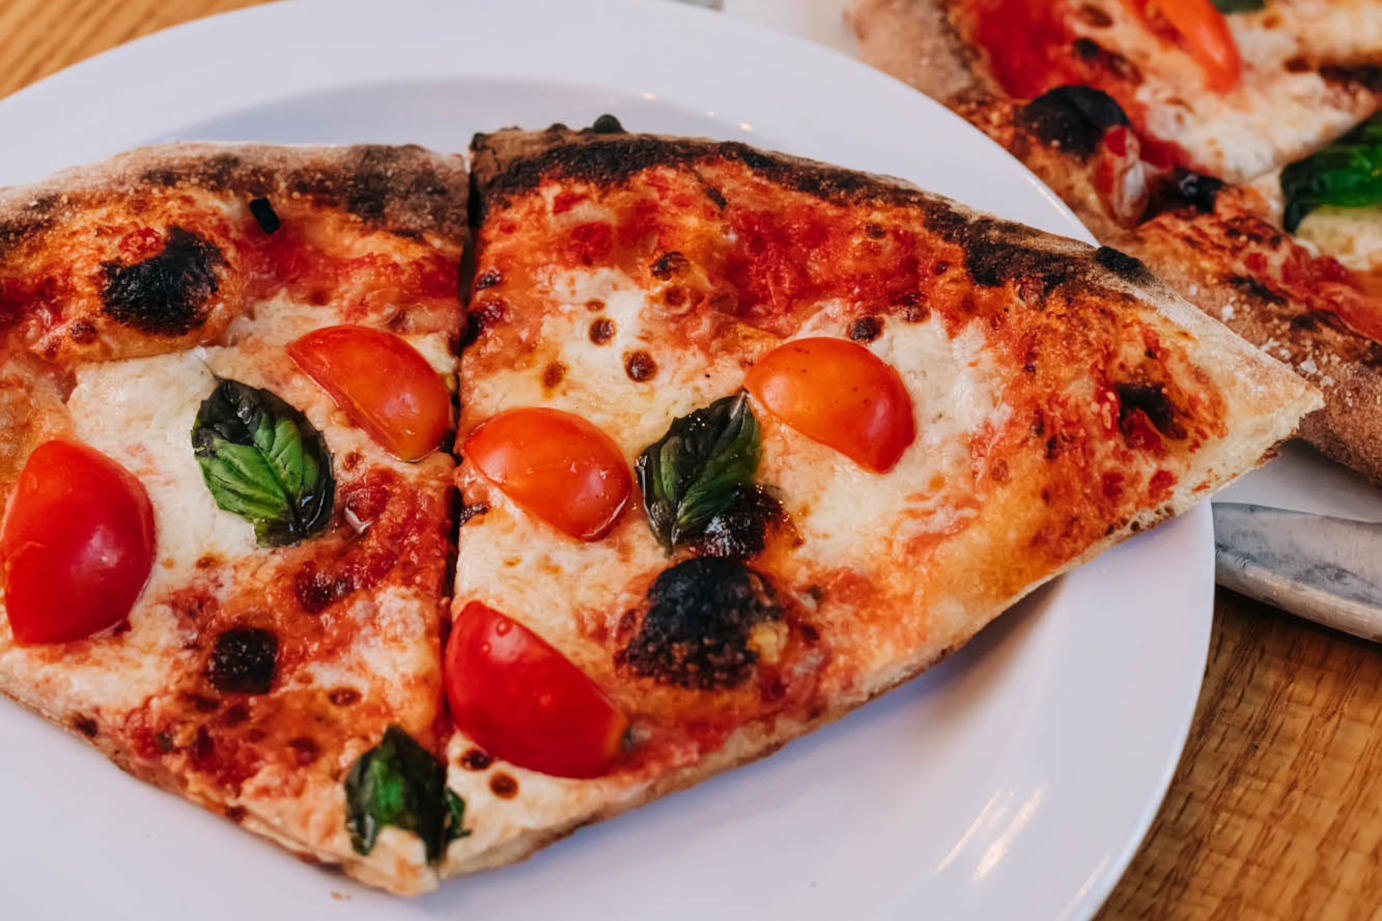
x: 1276, y: 809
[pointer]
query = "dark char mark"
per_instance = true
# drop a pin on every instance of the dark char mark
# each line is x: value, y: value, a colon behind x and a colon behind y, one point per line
x: 244, y: 661
x: 695, y: 633
x: 603, y: 158
x: 993, y: 258
x: 741, y: 531
x: 264, y: 215
x: 1254, y: 288
x: 1129, y: 268
x: 1073, y: 118
x: 166, y: 294
x: 1152, y: 400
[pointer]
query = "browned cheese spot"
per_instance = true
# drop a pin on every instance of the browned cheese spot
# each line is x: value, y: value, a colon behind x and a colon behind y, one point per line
x: 601, y: 330
x: 475, y: 759
x: 503, y: 785
x: 639, y: 366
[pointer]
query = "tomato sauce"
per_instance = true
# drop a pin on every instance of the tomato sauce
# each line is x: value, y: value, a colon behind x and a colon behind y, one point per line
x: 1032, y: 48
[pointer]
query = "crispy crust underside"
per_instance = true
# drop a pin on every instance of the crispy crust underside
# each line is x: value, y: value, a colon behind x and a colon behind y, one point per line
x: 1271, y: 398
x: 405, y: 189
x: 915, y: 41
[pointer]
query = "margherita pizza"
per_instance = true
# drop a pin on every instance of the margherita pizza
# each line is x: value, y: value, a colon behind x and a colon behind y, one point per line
x: 1236, y: 153
x: 744, y: 441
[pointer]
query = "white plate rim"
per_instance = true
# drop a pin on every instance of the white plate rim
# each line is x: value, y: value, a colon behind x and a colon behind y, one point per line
x: 80, y: 90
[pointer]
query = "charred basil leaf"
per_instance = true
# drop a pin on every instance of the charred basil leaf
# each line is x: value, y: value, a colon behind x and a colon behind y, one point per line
x: 400, y: 783
x: 1239, y: 6
x: 1346, y: 174
x: 694, y: 471
x: 264, y: 461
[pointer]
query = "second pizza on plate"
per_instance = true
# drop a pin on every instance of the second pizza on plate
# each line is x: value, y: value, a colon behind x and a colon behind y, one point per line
x: 1232, y: 145
x: 743, y: 441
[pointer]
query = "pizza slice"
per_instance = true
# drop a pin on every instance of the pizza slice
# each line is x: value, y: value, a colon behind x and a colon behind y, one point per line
x: 223, y: 388
x: 747, y: 440
x: 1233, y: 94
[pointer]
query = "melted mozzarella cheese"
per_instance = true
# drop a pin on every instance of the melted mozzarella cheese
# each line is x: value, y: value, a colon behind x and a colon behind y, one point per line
x: 1274, y: 114
x: 1351, y: 235
x: 140, y: 412
x: 839, y: 506
x: 511, y: 559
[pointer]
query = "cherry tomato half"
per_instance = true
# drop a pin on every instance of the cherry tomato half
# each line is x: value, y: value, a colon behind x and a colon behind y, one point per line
x: 838, y: 393
x: 1206, y: 36
x: 523, y: 701
x: 76, y: 545
x: 382, y: 383
x: 557, y: 466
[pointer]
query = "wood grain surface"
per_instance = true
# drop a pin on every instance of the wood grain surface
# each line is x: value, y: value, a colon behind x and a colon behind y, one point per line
x: 1276, y: 809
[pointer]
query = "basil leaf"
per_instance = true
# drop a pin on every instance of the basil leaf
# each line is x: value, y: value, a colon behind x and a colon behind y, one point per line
x: 263, y: 461
x: 1346, y: 174
x: 400, y: 783
x: 694, y: 471
x: 1239, y: 6
x: 455, y: 813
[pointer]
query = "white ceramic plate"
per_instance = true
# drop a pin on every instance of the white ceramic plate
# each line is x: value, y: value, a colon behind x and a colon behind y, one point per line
x: 1013, y: 781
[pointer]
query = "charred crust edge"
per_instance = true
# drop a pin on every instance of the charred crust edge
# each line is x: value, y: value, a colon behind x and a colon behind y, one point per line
x: 405, y: 189
x: 512, y: 162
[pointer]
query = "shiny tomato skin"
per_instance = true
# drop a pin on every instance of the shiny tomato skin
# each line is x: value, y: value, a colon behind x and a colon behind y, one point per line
x: 1206, y: 34
x: 76, y: 545
x: 557, y: 466
x: 381, y: 383
x: 523, y: 701
x: 838, y: 393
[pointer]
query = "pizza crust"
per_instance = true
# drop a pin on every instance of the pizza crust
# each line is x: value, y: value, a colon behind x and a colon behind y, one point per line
x: 915, y: 41
x: 405, y: 189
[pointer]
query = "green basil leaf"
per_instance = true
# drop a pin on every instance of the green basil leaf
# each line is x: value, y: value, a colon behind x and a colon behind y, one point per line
x: 263, y: 461
x: 455, y: 812
x: 694, y: 471
x: 400, y: 783
x: 1239, y: 6
x: 1346, y: 174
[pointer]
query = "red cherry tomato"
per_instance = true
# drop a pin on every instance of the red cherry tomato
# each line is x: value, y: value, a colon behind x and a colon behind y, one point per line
x: 840, y: 394
x: 76, y: 545
x: 557, y: 466
x: 1206, y: 35
x: 382, y: 383
x: 523, y: 701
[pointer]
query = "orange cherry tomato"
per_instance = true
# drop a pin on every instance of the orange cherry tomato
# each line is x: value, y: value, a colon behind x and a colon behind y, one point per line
x: 1206, y: 34
x: 840, y: 394
x: 523, y: 701
x: 381, y: 383
x: 557, y: 466
x: 76, y: 545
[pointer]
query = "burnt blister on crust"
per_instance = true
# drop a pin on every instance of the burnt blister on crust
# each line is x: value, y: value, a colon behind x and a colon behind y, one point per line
x: 993, y: 257
x: 1129, y: 268
x: 244, y: 661
x: 166, y: 294
x: 696, y: 631
x: 1073, y: 118
x: 612, y: 158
